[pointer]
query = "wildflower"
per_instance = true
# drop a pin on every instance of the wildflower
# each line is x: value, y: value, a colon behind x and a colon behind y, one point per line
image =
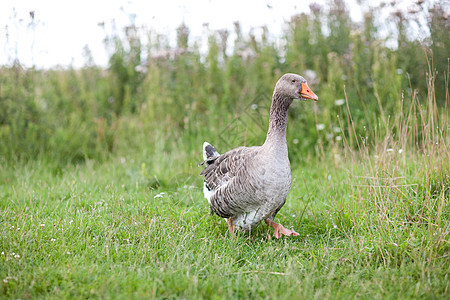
x: 295, y: 141
x: 320, y: 126
x: 160, y: 195
x: 254, y: 106
x: 17, y: 256
x: 335, y: 226
x: 140, y: 69
x: 389, y: 150
x: 68, y: 252
x: 339, y: 102
x: 400, y: 151
x: 336, y: 129
x: 310, y: 74
x: 338, y: 138
x: 52, y: 240
x: 399, y: 71
x: 42, y: 225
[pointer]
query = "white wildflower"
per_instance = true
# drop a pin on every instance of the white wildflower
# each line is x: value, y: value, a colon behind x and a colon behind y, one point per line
x: 338, y: 138
x: 320, y: 126
x: 52, y: 240
x: 42, y: 225
x: 310, y: 74
x: 400, y: 151
x: 160, y: 195
x: 295, y: 141
x: 339, y: 102
x: 17, y: 256
x: 389, y: 150
x: 335, y: 226
x: 140, y: 69
x: 254, y: 106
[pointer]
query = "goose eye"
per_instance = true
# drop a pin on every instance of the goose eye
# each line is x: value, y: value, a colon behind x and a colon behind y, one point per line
x: 294, y: 81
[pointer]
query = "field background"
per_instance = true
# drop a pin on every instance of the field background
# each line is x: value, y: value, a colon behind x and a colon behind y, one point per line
x: 99, y: 188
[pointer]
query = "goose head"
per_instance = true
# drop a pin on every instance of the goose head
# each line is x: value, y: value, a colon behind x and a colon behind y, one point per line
x: 294, y: 86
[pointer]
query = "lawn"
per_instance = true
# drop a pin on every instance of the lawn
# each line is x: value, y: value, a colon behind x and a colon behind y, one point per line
x: 107, y: 230
x: 100, y: 193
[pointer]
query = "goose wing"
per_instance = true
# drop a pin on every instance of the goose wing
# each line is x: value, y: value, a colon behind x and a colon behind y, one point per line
x: 228, y: 181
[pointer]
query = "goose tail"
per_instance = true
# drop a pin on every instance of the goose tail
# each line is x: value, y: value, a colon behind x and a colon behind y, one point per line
x: 209, y: 151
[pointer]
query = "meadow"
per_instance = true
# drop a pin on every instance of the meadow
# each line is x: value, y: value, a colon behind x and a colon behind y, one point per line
x: 100, y: 193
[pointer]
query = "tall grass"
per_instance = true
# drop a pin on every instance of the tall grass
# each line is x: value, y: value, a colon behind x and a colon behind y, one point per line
x: 153, y: 90
x: 401, y: 180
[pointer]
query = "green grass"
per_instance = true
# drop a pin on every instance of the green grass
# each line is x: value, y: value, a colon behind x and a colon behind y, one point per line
x: 102, y: 230
x: 100, y: 195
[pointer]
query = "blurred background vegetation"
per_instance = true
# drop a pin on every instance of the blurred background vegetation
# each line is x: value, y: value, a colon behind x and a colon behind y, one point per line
x: 161, y: 101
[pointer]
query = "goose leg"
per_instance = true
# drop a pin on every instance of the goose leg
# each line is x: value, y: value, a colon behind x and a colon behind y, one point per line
x: 280, y: 229
x: 230, y: 226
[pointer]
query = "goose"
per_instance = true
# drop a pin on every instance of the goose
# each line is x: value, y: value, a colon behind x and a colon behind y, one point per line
x: 249, y: 184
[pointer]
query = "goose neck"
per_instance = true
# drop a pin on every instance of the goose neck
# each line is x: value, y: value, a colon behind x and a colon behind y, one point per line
x: 278, y: 119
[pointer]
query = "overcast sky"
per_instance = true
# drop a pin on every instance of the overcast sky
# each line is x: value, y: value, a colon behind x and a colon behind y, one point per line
x: 61, y: 29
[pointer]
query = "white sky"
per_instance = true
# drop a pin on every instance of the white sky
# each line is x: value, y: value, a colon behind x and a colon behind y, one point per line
x: 62, y: 28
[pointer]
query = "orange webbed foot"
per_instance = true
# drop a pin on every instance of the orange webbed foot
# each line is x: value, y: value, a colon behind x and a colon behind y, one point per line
x: 280, y: 229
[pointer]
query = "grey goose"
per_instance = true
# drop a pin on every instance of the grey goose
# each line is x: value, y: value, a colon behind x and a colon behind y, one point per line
x: 249, y: 184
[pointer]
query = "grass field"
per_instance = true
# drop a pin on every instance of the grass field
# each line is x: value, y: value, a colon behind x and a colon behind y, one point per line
x: 102, y: 230
x: 100, y: 193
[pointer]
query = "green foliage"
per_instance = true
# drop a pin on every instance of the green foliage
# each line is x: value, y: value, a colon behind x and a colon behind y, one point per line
x: 73, y: 115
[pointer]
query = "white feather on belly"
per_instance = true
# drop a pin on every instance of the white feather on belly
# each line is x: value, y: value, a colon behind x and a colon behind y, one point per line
x: 248, y: 220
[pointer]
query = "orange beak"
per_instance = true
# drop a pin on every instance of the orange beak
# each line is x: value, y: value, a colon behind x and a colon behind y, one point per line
x: 307, y: 93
